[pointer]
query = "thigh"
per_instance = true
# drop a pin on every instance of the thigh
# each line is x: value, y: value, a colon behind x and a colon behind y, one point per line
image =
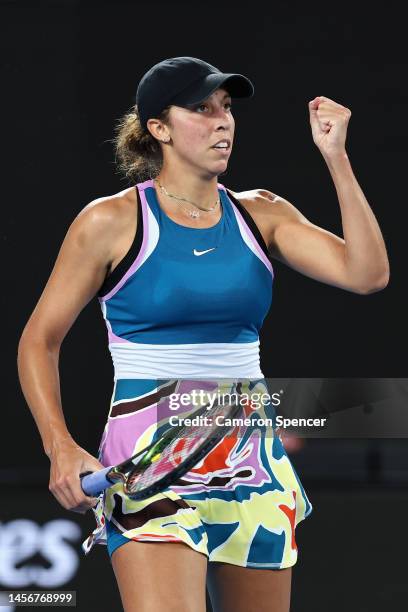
x: 238, y: 589
x: 160, y: 576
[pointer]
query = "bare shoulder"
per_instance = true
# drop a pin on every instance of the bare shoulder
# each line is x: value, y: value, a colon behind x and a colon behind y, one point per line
x: 110, y: 221
x: 268, y: 209
x: 107, y: 211
x: 266, y: 202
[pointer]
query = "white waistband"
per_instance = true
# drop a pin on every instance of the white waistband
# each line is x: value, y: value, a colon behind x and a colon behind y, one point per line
x: 212, y: 360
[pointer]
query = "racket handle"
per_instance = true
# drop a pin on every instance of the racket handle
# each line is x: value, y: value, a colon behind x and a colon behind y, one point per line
x: 95, y: 482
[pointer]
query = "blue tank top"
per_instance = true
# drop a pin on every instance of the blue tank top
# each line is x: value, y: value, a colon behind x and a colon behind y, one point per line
x: 188, y: 301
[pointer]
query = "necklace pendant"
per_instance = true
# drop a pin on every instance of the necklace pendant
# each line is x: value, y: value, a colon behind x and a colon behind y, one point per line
x: 195, y: 214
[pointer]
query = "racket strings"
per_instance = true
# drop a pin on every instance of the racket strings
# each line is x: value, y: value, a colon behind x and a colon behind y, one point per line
x: 186, y: 443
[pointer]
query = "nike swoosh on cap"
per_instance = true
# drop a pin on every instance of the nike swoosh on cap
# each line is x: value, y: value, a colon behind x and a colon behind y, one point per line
x: 202, y: 252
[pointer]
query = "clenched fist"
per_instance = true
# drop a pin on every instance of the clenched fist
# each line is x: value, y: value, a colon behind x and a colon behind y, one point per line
x: 329, y: 121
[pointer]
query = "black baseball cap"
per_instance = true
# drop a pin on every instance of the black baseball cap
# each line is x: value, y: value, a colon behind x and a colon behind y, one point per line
x: 183, y: 81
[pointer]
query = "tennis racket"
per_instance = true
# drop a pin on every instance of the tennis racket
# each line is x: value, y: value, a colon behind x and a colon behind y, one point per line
x: 167, y: 459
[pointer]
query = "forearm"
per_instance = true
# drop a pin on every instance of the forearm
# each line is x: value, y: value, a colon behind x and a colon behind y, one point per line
x: 365, y: 252
x: 39, y: 379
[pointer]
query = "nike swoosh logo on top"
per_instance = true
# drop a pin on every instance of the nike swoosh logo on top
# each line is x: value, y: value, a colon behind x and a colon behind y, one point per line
x: 202, y: 252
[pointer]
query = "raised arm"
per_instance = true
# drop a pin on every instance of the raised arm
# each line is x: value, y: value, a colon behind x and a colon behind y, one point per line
x: 357, y: 261
x: 78, y: 273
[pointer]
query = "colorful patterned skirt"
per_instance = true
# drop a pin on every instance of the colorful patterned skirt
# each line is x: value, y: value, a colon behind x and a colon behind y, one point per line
x: 239, y: 505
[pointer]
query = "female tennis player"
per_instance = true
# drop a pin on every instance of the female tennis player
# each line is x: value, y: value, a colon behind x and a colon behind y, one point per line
x: 182, y: 270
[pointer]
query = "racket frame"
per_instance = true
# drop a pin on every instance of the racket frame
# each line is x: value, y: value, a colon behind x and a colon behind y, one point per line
x: 140, y: 461
x: 185, y: 465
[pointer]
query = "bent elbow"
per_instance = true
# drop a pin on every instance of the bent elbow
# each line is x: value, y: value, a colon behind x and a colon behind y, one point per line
x: 380, y: 284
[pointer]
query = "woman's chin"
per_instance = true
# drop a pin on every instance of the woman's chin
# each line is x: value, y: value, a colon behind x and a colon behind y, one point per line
x: 214, y: 169
x: 221, y: 165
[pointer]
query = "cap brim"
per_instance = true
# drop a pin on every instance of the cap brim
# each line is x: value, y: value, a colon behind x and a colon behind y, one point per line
x: 237, y: 85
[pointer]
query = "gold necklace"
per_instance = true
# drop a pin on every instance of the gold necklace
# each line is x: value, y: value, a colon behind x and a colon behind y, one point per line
x: 192, y: 213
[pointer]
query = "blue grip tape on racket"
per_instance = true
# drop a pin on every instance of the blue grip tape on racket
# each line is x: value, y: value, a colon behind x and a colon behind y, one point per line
x: 94, y: 483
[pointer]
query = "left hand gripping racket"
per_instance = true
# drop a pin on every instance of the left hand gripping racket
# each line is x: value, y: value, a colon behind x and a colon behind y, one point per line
x: 167, y: 459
